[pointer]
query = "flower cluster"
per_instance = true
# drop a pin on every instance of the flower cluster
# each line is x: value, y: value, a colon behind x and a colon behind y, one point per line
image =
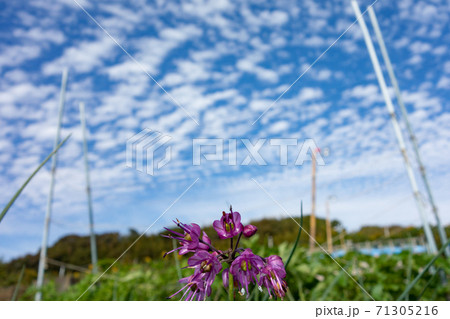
x: 240, y: 266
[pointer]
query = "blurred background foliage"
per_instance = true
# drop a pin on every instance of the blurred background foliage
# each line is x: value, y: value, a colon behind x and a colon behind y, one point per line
x: 143, y: 274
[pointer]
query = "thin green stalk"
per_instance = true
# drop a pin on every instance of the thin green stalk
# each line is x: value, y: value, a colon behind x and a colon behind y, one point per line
x: 300, y: 291
x: 13, y: 199
x: 230, y: 287
x: 428, y: 283
x: 289, y: 295
x: 298, y: 236
x: 177, y: 262
x: 114, y: 294
x: 19, y: 282
x: 331, y: 286
x: 253, y: 294
x: 336, y: 279
x: 411, y: 285
x: 408, y: 270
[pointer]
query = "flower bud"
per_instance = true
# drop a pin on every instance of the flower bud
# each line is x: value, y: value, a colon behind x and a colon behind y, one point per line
x: 249, y: 230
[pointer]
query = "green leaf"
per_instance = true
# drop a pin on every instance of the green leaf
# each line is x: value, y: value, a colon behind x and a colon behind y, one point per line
x: 13, y: 199
x: 19, y: 282
x: 428, y: 283
x: 335, y: 281
x: 298, y: 236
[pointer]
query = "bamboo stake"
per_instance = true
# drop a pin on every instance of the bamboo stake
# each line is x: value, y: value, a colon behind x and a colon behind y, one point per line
x: 43, y: 254
x: 376, y: 65
x: 411, y: 134
x: 88, y: 192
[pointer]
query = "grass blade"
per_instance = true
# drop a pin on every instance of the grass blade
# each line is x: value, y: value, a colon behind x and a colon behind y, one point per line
x: 409, y: 269
x: 19, y: 282
x: 428, y: 283
x: 13, y: 199
x: 411, y: 285
x: 298, y: 236
x: 330, y: 287
x: 177, y: 262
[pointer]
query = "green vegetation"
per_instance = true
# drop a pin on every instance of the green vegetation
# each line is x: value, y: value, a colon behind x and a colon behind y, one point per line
x: 314, y: 277
x: 142, y: 274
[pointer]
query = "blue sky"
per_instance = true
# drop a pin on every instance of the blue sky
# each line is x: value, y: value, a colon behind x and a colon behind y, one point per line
x: 225, y: 62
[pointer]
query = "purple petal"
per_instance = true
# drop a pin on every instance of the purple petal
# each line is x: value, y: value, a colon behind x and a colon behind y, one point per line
x: 195, y: 229
x: 225, y: 277
x: 198, y: 258
x: 236, y: 218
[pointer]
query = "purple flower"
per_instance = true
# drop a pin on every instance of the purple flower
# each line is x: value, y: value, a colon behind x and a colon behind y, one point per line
x: 249, y: 230
x: 190, y: 240
x: 207, y: 264
x: 198, y: 285
x: 246, y: 268
x: 229, y: 225
x: 272, y: 276
x: 195, y: 288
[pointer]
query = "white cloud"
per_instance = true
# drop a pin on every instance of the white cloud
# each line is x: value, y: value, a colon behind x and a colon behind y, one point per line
x: 366, y: 94
x: 205, y: 8
x: 84, y: 57
x: 152, y: 51
x: 415, y: 60
x: 447, y: 66
x: 440, y: 50
x: 276, y: 17
x: 15, y: 55
x: 402, y: 42
x: 308, y: 93
x: 321, y: 75
x: 419, y: 47
x: 422, y: 99
x: 40, y: 35
x: 278, y: 127
x: 264, y: 74
x: 26, y: 95
x: 314, y: 41
x: 444, y: 83
x: 187, y: 72
x: 264, y: 18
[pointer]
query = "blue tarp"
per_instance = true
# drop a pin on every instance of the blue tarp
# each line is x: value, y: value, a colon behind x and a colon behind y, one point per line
x: 376, y: 251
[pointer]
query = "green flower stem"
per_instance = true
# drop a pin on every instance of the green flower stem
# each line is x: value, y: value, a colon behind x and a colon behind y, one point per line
x: 233, y: 253
x: 230, y: 287
x: 298, y: 236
